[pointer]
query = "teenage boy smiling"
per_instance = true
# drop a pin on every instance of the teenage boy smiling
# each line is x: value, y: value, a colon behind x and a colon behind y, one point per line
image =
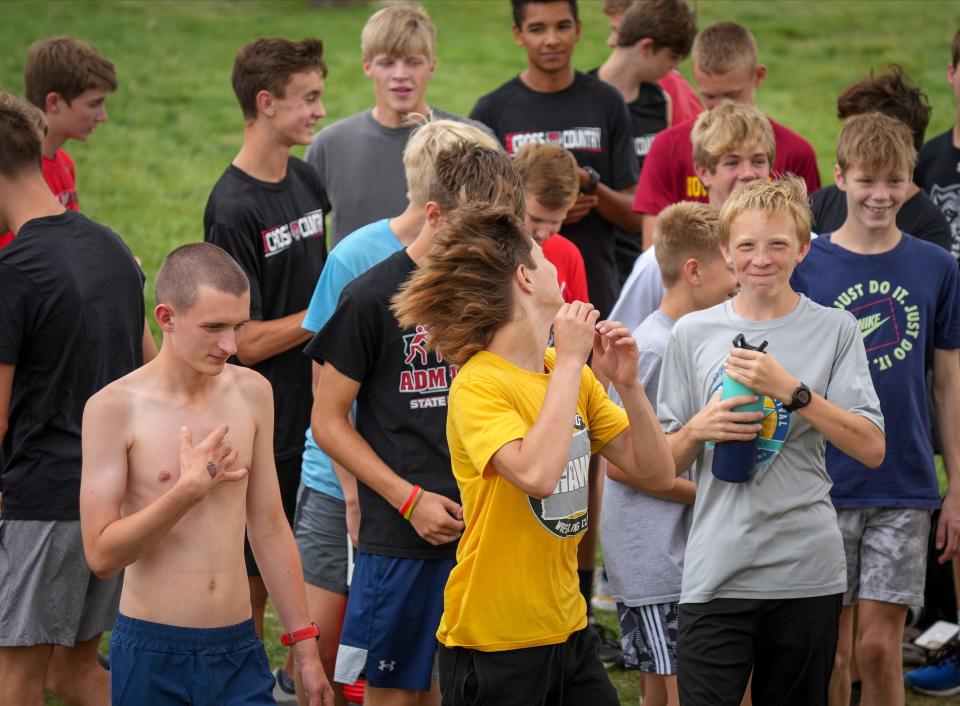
x: 551, y: 102
x: 755, y: 596
x: 905, y: 292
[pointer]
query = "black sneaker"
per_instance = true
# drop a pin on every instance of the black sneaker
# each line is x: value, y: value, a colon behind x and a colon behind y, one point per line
x: 285, y: 682
x: 610, y: 652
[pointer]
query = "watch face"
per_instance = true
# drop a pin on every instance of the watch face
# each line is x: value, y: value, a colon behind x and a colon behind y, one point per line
x: 802, y: 396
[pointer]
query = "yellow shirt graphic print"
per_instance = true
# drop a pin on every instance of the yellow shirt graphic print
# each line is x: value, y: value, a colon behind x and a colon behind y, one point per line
x: 564, y: 513
x: 515, y: 583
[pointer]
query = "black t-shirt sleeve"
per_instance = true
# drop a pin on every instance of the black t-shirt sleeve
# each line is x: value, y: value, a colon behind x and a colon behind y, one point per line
x: 243, y: 249
x: 829, y: 208
x: 929, y: 223
x: 351, y: 339
x: 625, y: 170
x: 19, y: 300
x: 924, y: 158
x: 485, y: 113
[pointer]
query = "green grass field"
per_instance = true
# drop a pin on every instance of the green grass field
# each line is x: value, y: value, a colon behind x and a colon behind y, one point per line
x: 174, y: 124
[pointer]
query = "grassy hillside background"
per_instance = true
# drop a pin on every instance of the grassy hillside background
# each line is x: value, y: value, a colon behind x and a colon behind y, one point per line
x: 174, y: 123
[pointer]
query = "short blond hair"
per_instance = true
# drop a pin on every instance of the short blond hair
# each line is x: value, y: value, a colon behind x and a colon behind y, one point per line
x: 398, y: 31
x: 469, y: 173
x: 877, y: 144
x: 722, y: 47
x: 428, y: 141
x: 685, y: 230
x: 728, y: 127
x: 549, y: 174
x: 785, y: 197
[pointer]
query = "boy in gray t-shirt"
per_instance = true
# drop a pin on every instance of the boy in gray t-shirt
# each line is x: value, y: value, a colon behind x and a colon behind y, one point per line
x: 360, y: 158
x: 644, y: 565
x: 764, y: 569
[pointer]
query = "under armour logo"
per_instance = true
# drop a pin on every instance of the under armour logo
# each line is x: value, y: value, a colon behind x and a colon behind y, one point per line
x: 386, y: 666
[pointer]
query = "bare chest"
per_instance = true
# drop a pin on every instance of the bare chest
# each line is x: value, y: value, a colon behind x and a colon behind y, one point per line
x: 154, y: 455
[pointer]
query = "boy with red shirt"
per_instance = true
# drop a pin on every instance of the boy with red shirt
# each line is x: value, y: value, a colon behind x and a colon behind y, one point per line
x: 68, y: 80
x: 725, y: 68
x: 550, y: 187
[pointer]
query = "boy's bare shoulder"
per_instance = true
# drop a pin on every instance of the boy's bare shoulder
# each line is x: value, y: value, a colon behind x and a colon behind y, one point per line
x: 117, y: 398
x: 248, y: 382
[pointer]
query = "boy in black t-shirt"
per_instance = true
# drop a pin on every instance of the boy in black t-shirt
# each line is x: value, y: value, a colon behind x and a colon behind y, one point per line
x: 892, y: 94
x: 938, y: 166
x: 653, y: 37
x: 551, y: 102
x: 267, y: 211
x: 71, y: 321
x: 410, y: 514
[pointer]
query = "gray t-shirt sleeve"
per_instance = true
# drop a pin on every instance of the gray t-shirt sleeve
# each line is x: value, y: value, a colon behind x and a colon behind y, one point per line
x: 648, y: 372
x: 851, y: 387
x: 676, y: 396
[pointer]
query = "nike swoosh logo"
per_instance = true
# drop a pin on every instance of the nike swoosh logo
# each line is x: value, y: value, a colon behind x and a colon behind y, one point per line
x: 867, y: 331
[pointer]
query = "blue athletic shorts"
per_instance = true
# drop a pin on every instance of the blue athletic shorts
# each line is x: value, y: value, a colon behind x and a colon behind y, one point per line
x: 390, y: 627
x: 159, y: 664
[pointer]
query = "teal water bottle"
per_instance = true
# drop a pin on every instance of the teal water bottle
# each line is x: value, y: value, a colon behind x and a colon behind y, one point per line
x: 736, y: 461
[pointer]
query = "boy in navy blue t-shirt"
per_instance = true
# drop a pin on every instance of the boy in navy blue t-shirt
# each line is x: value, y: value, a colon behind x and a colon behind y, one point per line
x: 905, y: 293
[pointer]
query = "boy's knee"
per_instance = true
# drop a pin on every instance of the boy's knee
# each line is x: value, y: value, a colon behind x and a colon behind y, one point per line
x: 875, y: 652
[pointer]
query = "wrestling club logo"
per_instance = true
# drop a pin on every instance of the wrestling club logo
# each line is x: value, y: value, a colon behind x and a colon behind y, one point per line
x: 564, y: 513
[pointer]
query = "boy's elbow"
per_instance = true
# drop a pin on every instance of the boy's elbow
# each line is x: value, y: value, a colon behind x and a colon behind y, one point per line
x: 539, y: 483
x: 100, y: 566
x: 875, y: 449
x: 541, y: 489
x: 662, y: 482
x: 878, y: 450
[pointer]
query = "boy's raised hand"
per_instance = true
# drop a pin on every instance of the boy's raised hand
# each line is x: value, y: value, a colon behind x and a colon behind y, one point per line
x: 574, y: 327
x: 615, y: 353
x: 208, y: 463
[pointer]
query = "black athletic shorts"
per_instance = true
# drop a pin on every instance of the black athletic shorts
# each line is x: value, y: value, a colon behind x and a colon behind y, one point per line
x: 568, y: 674
x: 789, y: 644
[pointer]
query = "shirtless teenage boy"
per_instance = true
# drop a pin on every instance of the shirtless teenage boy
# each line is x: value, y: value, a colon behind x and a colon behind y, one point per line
x: 177, y: 459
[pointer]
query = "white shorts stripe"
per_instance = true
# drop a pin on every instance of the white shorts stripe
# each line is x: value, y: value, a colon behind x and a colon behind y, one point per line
x: 653, y: 628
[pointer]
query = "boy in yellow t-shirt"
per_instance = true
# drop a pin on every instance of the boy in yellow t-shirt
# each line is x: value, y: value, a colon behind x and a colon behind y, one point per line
x: 514, y: 620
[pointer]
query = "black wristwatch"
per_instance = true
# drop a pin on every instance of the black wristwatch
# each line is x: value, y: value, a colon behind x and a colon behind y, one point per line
x: 594, y: 180
x: 801, y: 398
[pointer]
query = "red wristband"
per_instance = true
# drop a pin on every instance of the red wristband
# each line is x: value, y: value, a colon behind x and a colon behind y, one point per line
x: 288, y: 639
x: 413, y: 496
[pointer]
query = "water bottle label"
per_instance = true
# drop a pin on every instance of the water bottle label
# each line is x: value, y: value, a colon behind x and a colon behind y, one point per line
x: 776, y: 425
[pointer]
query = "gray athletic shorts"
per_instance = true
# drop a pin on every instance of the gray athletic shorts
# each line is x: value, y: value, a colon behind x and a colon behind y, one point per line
x: 886, y: 550
x: 320, y: 528
x: 648, y: 636
x: 48, y: 595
